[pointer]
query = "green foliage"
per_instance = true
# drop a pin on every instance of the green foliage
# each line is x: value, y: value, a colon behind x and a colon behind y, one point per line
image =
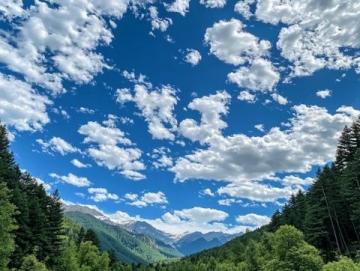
x: 31, y: 263
x: 344, y: 264
x: 7, y: 227
x: 128, y: 247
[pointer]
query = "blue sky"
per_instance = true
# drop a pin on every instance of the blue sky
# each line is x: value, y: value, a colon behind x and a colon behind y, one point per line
x: 190, y: 115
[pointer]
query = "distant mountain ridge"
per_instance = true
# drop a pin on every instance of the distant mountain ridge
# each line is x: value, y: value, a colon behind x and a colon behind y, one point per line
x: 162, y: 245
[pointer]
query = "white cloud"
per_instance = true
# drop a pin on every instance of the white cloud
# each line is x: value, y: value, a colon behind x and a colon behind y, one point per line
x: 72, y: 179
x: 158, y: 23
x: 162, y: 158
x: 243, y: 7
x: 315, y: 33
x: 228, y: 202
x: 21, y: 106
x: 213, y: 3
x: 279, y: 99
x: 101, y: 194
x: 260, y: 127
x: 323, y: 94
x: 207, y: 192
x: 107, y: 151
x: 11, y: 8
x: 192, y: 57
x: 212, y: 108
x: 253, y: 220
x: 309, y: 139
x: 58, y: 41
x: 156, y: 106
x: 179, y: 6
x: 57, y: 145
x: 231, y: 44
x: 247, y: 96
x: 261, y: 76
x: 295, y: 180
x: 86, y: 110
x: 79, y: 164
x: 258, y: 192
x: 146, y: 199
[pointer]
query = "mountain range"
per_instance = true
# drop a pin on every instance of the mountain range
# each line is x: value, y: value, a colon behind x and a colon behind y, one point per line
x: 138, y: 241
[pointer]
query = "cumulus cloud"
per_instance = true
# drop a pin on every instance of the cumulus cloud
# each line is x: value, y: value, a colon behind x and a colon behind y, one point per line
x: 21, y: 106
x: 229, y: 201
x: 179, y: 6
x: 146, y: 199
x: 261, y: 75
x: 211, y: 108
x: 315, y: 32
x: 101, y: 194
x: 72, y: 179
x: 10, y: 9
x: 323, y: 94
x: 253, y: 220
x: 309, y: 139
x: 157, y: 23
x: 192, y: 57
x: 58, y: 41
x: 79, y: 164
x: 279, y: 98
x: 107, y: 152
x: 213, y: 3
x: 156, y: 106
x: 246, y: 96
x: 57, y: 145
x: 207, y: 192
x: 162, y: 158
x: 243, y: 7
x: 230, y: 43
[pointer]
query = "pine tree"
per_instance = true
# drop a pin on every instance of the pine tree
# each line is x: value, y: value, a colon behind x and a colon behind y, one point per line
x: 345, y: 149
x: 7, y: 227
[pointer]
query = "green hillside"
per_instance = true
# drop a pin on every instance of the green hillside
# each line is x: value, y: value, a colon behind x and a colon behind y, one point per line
x: 128, y: 247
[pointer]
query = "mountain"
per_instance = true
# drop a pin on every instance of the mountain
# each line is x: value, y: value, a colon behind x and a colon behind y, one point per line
x: 128, y: 247
x: 144, y: 228
x: 197, y: 241
x: 185, y: 245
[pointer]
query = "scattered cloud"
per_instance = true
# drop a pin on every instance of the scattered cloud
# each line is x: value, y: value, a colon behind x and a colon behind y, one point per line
x: 57, y: 145
x: 79, y: 164
x: 192, y: 57
x: 260, y: 76
x: 246, y: 96
x: 72, y: 179
x: 107, y: 152
x: 213, y: 3
x: 146, y: 199
x: 211, y: 108
x: 156, y: 106
x: 253, y: 220
x: 179, y: 6
x: 101, y: 194
x: 323, y: 94
x: 207, y: 192
x: 279, y: 99
x: 158, y: 23
x: 314, y: 34
x: 309, y: 139
x: 21, y: 106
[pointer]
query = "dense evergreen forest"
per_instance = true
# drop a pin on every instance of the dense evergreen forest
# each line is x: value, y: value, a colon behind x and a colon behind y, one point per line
x: 316, y: 230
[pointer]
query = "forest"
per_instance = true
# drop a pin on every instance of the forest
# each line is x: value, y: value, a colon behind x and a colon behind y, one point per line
x: 317, y: 230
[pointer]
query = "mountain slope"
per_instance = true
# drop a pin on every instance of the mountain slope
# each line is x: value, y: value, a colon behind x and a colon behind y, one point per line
x: 197, y: 241
x: 128, y: 247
